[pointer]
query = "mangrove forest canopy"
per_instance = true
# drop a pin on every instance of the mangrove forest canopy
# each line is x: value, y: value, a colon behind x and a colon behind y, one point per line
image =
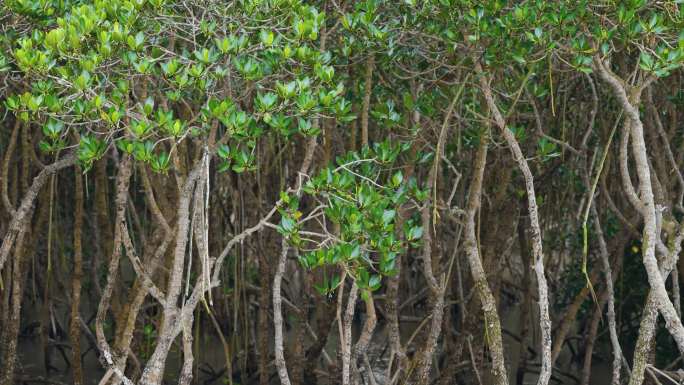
x: 414, y: 192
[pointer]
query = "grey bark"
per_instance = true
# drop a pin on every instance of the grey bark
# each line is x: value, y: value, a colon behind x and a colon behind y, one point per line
x: 173, y: 317
x: 537, y: 250
x: 109, y: 358
x: 484, y: 292
x: 280, y: 363
x: 630, y: 103
x: 347, y: 340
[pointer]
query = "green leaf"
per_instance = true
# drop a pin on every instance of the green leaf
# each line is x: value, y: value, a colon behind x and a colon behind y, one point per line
x: 286, y: 90
x: 160, y: 163
x: 224, y: 151
x: 414, y: 233
x: 205, y: 56
x: 224, y: 166
x: 148, y: 107
x: 143, y: 151
x: 266, y: 102
x: 55, y: 39
x: 374, y: 282
x: 90, y: 149
x: 266, y: 37
x: 53, y: 128
x: 287, y: 224
x: 82, y: 81
x: 646, y: 62
x: 388, y: 216
x: 135, y: 42
x: 397, y: 178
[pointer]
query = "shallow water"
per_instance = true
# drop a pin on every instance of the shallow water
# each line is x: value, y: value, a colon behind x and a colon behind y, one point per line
x: 210, y: 355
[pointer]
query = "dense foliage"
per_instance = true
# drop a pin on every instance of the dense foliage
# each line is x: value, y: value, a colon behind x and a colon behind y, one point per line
x: 377, y: 192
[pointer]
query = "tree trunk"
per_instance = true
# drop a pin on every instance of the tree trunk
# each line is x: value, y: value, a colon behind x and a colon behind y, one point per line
x: 491, y: 313
x: 537, y: 251
x: 76, y: 278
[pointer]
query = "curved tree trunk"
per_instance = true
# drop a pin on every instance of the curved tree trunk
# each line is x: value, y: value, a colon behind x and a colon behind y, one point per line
x: 651, y: 236
x: 491, y: 313
x: 537, y: 251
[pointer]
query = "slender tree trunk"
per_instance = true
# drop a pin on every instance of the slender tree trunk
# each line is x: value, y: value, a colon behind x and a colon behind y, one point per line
x: 7, y: 159
x: 647, y: 327
x: 437, y: 290
x: 280, y: 363
x: 263, y: 333
x: 612, y: 327
x: 347, y: 340
x: 172, y: 319
x: 18, y: 237
x: 537, y: 251
x: 141, y: 287
x: 301, y: 323
x: 646, y: 335
x: 367, y: 332
x: 325, y: 321
x: 590, y: 338
x: 491, y: 313
x: 77, y: 276
x: 122, y: 183
x: 101, y: 219
x: 527, y: 297
x: 650, y: 235
x: 10, y: 212
x: 12, y: 332
x: 188, y: 358
x: 392, y: 291
x: 570, y: 316
x: 23, y: 213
